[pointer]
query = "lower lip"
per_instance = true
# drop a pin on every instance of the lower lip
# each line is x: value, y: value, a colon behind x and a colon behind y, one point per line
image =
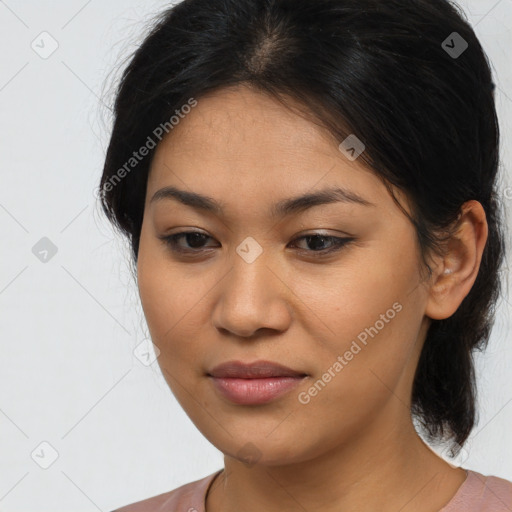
x: 255, y: 391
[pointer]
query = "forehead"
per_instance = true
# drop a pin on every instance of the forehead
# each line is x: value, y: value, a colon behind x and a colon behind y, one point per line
x: 240, y: 143
x: 238, y: 118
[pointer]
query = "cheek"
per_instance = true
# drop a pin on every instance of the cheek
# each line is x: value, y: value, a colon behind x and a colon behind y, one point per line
x: 166, y: 309
x: 158, y: 293
x: 358, y: 298
x: 173, y: 304
x: 367, y: 316
x: 356, y: 380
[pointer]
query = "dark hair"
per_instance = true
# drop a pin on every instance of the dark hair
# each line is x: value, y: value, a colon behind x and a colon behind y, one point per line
x: 384, y: 71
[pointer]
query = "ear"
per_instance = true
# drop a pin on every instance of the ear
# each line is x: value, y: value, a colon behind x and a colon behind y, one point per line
x: 456, y: 271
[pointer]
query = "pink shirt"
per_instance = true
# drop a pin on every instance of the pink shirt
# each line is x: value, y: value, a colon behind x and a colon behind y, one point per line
x: 478, y: 493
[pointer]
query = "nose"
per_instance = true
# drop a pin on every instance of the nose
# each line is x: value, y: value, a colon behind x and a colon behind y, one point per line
x: 253, y: 296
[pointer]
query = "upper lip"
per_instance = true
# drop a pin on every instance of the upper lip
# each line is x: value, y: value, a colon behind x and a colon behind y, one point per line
x: 257, y: 369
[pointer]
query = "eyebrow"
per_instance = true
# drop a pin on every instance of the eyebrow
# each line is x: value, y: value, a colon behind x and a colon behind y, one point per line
x: 281, y: 208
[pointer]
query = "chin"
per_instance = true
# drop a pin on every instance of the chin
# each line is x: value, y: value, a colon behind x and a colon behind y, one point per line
x: 264, y: 451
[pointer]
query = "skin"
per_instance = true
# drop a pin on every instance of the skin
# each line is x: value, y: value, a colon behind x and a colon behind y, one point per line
x: 353, y: 446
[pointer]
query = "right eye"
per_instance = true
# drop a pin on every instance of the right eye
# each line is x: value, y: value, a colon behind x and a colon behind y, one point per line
x: 194, y: 238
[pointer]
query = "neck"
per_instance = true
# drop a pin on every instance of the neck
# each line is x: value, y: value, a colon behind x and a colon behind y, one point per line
x: 385, y: 469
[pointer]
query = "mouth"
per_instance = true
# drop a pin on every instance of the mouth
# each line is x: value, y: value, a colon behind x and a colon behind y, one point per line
x: 255, y: 383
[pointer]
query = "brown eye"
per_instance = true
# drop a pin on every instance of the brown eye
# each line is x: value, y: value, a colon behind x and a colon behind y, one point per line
x: 193, y: 239
x: 317, y: 242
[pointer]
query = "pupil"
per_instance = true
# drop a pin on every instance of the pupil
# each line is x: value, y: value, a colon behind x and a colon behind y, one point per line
x: 319, y: 239
x: 196, y: 237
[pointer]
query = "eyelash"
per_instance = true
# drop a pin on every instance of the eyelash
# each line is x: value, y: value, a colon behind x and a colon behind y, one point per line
x: 339, y: 243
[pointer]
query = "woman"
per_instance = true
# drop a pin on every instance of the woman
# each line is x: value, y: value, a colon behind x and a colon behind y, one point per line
x: 309, y: 188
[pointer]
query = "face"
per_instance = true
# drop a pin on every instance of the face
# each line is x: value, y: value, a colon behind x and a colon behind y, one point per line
x: 331, y: 291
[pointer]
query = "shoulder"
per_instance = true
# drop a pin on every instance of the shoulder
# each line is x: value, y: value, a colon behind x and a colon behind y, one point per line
x: 482, y: 493
x: 496, y: 492
x: 187, y: 498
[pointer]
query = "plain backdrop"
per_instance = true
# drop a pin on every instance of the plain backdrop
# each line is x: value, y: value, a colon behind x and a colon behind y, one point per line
x: 84, y: 425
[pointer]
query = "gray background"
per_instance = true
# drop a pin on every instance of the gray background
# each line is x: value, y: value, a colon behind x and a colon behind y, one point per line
x: 69, y: 326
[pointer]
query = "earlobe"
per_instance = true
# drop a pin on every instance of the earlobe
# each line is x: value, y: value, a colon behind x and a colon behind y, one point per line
x: 459, y: 267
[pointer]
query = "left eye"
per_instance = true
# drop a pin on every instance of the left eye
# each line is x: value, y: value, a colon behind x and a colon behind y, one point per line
x: 195, y: 239
x: 336, y: 242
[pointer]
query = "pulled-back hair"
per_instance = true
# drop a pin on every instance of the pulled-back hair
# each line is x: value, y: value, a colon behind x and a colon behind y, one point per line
x: 391, y: 72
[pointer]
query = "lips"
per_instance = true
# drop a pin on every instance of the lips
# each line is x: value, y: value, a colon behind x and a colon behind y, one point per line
x: 255, y: 383
x: 255, y: 370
